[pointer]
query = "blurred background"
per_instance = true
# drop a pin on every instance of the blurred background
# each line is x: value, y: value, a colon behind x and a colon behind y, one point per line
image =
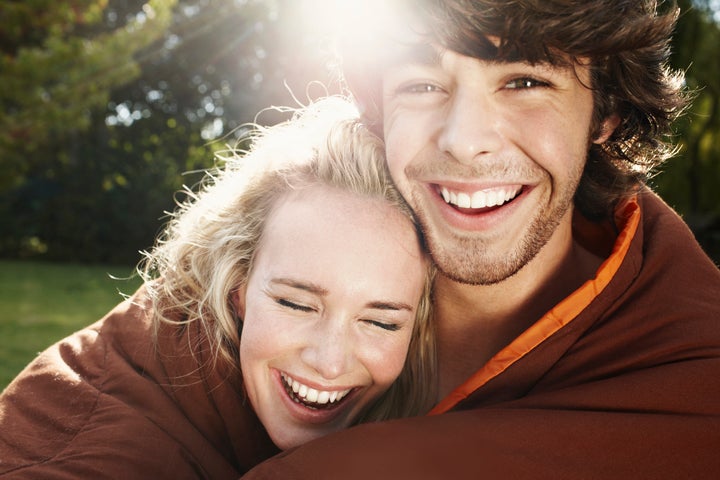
x: 109, y: 107
x: 108, y: 104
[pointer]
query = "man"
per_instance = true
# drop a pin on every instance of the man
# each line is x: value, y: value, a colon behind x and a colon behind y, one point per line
x: 578, y: 319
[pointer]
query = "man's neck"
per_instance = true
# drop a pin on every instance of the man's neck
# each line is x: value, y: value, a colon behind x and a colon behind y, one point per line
x: 475, y: 322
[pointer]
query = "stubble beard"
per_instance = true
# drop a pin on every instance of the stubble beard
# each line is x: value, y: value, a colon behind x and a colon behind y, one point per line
x: 469, y: 260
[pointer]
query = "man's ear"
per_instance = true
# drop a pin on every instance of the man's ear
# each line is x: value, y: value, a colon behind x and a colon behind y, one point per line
x: 607, y: 128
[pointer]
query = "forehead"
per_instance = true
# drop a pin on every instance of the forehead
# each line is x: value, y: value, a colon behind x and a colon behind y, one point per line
x: 434, y: 56
x: 338, y: 223
x: 346, y: 243
x: 417, y: 50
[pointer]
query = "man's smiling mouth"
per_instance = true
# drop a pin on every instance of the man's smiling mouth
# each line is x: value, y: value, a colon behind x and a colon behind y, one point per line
x: 311, y: 397
x: 489, y: 197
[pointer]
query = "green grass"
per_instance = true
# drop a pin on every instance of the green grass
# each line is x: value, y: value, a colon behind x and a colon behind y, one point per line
x: 40, y: 303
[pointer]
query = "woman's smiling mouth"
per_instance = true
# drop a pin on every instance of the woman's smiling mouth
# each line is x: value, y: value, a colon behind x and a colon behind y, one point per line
x: 311, y: 397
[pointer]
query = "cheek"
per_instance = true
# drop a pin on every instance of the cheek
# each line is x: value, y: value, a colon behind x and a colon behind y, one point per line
x: 251, y: 351
x: 385, y: 364
x: 559, y: 144
x: 394, y: 153
x: 405, y: 135
x: 259, y: 340
x: 252, y: 360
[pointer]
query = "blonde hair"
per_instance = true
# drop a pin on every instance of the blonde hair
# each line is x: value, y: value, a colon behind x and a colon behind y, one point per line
x: 206, y: 252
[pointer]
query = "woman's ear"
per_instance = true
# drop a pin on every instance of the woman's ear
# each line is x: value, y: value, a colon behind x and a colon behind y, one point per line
x: 607, y: 128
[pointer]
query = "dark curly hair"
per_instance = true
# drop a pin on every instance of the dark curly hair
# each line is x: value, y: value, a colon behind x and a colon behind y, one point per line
x: 627, y: 43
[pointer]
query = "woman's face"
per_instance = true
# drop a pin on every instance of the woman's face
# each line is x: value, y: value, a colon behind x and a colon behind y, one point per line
x: 328, y: 311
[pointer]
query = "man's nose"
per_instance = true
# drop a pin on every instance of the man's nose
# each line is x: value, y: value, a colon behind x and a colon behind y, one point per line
x: 329, y: 350
x: 470, y: 130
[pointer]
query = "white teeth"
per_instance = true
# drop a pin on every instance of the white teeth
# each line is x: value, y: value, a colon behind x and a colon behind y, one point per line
x: 463, y: 200
x: 312, y: 395
x: 492, y: 199
x: 481, y: 198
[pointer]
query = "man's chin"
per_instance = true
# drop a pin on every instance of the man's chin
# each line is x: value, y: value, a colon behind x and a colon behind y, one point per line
x: 481, y: 275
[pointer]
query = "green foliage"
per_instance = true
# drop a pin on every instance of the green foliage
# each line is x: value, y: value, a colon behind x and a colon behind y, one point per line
x: 52, y: 76
x: 41, y: 303
x: 690, y: 181
x: 106, y: 106
x: 106, y: 202
x: 93, y: 183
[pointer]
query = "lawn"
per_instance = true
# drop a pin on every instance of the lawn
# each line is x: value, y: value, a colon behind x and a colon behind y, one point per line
x: 40, y: 303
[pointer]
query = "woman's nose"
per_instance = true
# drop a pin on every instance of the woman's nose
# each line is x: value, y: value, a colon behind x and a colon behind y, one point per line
x: 329, y: 350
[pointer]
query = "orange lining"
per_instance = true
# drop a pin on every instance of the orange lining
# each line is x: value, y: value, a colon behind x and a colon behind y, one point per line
x: 627, y: 215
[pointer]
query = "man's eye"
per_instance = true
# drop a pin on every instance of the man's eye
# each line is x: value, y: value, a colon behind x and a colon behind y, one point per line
x: 524, y: 82
x: 419, y: 88
x: 391, y: 327
x: 294, y: 306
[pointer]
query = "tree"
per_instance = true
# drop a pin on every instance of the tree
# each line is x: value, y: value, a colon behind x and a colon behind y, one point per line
x: 690, y: 181
x: 54, y: 72
x: 93, y: 185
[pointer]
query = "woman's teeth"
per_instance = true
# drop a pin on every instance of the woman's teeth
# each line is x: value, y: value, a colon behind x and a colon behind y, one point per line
x: 310, y: 395
x: 482, y: 198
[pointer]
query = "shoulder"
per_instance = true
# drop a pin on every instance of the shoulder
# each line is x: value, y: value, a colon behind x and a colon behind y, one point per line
x: 673, y: 260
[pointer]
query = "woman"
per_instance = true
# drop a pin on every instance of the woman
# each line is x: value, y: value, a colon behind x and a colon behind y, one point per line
x: 289, y: 298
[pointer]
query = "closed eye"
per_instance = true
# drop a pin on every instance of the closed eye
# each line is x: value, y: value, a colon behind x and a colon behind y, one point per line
x: 391, y: 327
x: 294, y: 306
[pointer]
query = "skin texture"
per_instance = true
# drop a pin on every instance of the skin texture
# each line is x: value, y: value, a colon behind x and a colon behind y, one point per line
x: 333, y: 309
x: 472, y: 126
x: 513, y: 130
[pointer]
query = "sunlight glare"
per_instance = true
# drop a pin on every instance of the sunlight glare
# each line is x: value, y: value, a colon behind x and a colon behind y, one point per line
x: 351, y: 22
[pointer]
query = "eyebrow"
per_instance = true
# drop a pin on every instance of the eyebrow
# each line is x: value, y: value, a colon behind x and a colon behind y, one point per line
x: 389, y: 306
x: 415, y: 53
x: 426, y: 54
x: 301, y: 285
x: 318, y: 290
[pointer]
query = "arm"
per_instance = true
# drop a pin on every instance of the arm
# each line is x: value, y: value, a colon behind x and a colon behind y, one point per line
x: 103, y: 404
x: 517, y: 443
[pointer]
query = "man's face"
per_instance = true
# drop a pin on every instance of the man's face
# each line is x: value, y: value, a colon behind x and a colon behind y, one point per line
x: 489, y: 155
